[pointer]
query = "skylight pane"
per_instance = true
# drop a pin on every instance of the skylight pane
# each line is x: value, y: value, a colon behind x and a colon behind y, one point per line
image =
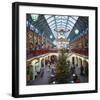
x: 63, y: 17
x: 65, y: 21
x: 69, y: 26
x: 47, y: 16
x: 58, y: 21
x: 57, y: 16
x: 75, y: 17
x: 58, y: 24
x: 50, y: 19
x: 70, y: 23
x: 61, y: 22
x: 64, y: 24
x: 51, y: 23
x: 60, y: 27
x: 71, y: 19
x: 34, y: 17
x: 54, y: 33
x: 66, y: 17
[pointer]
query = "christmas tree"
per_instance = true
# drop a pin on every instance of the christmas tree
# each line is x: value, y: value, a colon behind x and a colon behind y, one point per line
x: 62, y: 68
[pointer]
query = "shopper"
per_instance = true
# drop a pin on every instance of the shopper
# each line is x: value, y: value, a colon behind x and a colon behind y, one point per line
x: 41, y: 72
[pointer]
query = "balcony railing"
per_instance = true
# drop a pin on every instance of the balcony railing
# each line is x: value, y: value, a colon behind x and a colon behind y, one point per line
x: 81, y: 51
x: 34, y: 53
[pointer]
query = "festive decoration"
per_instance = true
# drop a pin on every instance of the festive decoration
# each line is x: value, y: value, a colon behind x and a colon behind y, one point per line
x: 62, y: 68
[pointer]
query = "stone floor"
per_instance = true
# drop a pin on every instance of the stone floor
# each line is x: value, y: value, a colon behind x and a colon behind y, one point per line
x: 46, y: 77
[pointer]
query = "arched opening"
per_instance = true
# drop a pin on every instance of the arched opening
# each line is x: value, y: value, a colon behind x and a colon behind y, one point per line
x: 68, y: 63
x: 46, y: 60
x: 77, y: 61
x: 36, y: 68
x: 49, y: 58
x: 81, y: 67
x: 73, y: 60
x: 53, y: 59
x: 42, y: 63
x: 29, y: 72
x: 86, y: 69
x: 80, y: 62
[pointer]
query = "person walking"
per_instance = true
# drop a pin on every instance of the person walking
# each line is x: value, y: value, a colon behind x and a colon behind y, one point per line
x: 41, y: 72
x: 82, y: 69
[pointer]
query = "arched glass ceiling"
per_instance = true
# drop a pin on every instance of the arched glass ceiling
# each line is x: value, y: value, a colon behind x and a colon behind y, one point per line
x: 61, y: 22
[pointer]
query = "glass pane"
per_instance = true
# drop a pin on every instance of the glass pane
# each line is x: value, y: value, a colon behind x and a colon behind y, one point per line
x: 66, y: 17
x: 59, y: 24
x: 50, y: 19
x: 67, y: 27
x: 65, y: 21
x: 34, y: 17
x: 47, y: 16
x: 75, y: 17
x: 60, y: 27
x: 64, y: 24
x: 54, y: 33
x: 57, y: 16
x: 51, y: 23
x: 58, y: 21
x: 71, y: 19
x: 70, y: 23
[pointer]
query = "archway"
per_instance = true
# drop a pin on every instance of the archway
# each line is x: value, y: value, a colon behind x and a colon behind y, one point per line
x: 80, y: 62
x: 86, y: 68
x: 42, y: 63
x: 46, y: 60
x: 53, y: 59
x: 76, y: 61
x: 36, y: 67
x: 73, y: 60
x: 29, y: 72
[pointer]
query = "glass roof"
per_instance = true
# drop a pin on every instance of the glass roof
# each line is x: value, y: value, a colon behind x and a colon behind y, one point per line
x: 61, y: 24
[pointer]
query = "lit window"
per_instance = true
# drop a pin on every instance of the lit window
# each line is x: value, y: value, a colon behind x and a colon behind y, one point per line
x: 34, y: 17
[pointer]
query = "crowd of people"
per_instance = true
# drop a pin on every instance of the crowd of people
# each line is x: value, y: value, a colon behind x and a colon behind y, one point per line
x: 77, y: 71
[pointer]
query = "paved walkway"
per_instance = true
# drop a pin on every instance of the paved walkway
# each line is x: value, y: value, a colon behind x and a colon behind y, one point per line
x: 81, y: 78
x: 47, y: 74
x: 44, y: 79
